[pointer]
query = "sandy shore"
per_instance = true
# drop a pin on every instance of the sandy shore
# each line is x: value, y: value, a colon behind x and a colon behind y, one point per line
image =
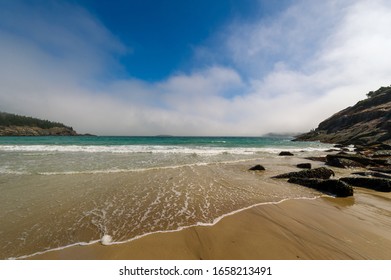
x: 326, y: 228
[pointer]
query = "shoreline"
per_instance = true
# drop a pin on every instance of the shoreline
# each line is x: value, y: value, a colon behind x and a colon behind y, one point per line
x: 269, y: 218
x: 215, y: 221
x: 322, y: 228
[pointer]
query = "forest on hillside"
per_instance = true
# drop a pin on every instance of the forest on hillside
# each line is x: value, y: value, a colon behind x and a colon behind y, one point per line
x: 7, y: 119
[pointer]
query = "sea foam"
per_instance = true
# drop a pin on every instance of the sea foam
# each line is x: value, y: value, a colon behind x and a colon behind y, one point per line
x: 106, y: 239
x: 198, y: 150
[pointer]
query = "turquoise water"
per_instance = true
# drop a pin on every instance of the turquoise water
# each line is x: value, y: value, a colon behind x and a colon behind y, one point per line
x: 64, y: 191
x: 52, y: 155
x: 161, y: 141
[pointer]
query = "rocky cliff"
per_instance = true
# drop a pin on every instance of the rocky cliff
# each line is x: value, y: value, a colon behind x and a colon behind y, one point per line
x: 367, y: 122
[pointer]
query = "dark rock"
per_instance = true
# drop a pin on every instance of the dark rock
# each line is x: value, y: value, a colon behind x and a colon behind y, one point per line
x: 382, y: 153
x: 322, y: 159
x: 381, y: 169
x: 341, y: 162
x: 360, y: 160
x: 342, y: 153
x: 376, y: 147
x: 331, y: 150
x: 377, y: 184
x: 372, y: 174
x: 257, y: 167
x: 285, y: 153
x: 383, y: 146
x: 339, y: 146
x: 335, y: 187
x: 320, y: 173
x: 304, y: 165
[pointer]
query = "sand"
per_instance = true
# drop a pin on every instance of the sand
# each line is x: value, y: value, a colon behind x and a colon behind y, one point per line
x: 358, y: 227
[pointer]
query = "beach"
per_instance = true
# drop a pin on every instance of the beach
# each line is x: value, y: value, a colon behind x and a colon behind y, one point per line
x: 180, y: 199
x: 316, y: 229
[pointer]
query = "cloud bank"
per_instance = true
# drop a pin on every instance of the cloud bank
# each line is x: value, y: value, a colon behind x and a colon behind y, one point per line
x: 285, y: 73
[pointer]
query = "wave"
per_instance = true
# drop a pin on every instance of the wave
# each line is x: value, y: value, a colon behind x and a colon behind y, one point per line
x: 107, y: 239
x: 129, y: 149
x: 109, y: 171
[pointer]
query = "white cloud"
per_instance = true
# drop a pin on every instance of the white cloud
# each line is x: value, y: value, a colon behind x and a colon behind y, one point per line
x: 321, y: 57
x: 286, y: 73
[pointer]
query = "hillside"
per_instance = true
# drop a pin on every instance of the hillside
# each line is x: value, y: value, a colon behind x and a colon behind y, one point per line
x: 16, y: 125
x: 367, y: 122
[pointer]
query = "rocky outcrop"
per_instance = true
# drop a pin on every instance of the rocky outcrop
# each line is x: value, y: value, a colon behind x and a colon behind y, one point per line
x: 369, y: 121
x: 354, y: 160
x: 383, y: 169
x: 36, y: 131
x: 318, y: 173
x: 377, y: 184
x: 372, y: 174
x: 373, y: 161
x: 334, y: 187
x: 318, y: 179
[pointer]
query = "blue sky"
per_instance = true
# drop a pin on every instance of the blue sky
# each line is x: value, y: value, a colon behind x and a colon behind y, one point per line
x: 160, y: 35
x: 230, y: 67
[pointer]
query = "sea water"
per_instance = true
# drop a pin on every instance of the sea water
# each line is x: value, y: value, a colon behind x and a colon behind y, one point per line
x: 61, y: 191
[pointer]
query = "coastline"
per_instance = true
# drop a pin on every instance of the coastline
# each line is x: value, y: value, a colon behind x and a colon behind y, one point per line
x: 323, y: 228
x: 214, y: 207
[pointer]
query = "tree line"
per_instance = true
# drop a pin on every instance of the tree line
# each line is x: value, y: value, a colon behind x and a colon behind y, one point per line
x: 7, y: 119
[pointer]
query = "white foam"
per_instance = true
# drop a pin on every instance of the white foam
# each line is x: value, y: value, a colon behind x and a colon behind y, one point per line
x: 4, y: 170
x: 129, y: 149
x: 106, y: 239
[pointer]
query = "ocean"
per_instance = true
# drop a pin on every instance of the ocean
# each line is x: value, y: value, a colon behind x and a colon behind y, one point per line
x: 65, y: 191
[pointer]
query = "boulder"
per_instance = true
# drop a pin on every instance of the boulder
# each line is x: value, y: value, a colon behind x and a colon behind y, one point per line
x: 285, y: 153
x: 257, y: 167
x: 381, y: 169
x: 377, y: 184
x: 359, y: 160
x: 320, y: 173
x: 372, y: 174
x: 304, y: 165
x: 322, y: 159
x: 341, y: 162
x: 334, y: 187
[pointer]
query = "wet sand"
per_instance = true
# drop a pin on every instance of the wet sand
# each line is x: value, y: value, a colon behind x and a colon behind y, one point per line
x: 358, y: 227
